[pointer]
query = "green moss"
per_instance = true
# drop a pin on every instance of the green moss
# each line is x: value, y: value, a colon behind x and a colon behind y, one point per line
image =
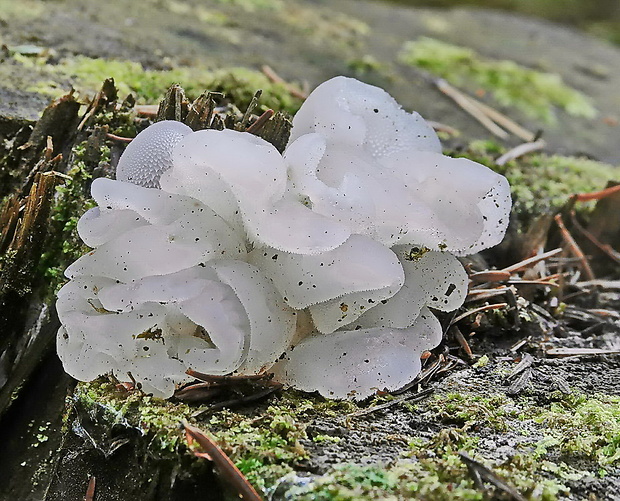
x: 429, y: 474
x: 582, y: 426
x: 240, y: 85
x: 540, y: 182
x: 22, y: 10
x: 324, y: 26
x: 31, y: 73
x: 365, y: 65
x: 319, y: 439
x: 264, y: 443
x: 253, y: 5
x: 534, y: 92
x: 148, y: 86
x: 572, y: 425
x: 483, y: 361
x: 71, y: 202
x: 471, y: 411
x: 157, y: 419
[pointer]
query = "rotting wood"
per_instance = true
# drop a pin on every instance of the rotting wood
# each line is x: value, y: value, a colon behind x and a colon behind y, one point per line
x: 201, y: 111
x: 23, y: 161
x: 174, y: 106
x: 277, y: 131
x: 107, y: 96
x: 24, y: 236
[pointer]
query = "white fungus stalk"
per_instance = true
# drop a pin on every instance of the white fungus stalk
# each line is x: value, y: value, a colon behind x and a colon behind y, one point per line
x: 213, y: 252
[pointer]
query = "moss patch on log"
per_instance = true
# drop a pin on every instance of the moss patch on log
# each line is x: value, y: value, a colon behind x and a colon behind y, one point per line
x: 534, y: 92
x: 148, y: 85
x: 264, y: 442
x: 543, y: 182
x: 555, y: 442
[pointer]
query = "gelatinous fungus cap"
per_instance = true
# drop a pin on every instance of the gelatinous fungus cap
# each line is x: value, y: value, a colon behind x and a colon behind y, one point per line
x: 212, y: 251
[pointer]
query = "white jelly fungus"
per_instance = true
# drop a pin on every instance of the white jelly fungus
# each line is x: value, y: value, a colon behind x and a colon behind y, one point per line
x: 212, y: 251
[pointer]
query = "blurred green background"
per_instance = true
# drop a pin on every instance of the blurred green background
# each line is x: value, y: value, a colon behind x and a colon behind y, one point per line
x: 597, y: 17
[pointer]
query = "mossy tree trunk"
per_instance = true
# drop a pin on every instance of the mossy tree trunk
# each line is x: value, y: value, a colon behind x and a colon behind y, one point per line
x: 49, y: 444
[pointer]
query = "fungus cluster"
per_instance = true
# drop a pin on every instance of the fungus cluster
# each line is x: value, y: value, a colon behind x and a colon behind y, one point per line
x: 212, y: 251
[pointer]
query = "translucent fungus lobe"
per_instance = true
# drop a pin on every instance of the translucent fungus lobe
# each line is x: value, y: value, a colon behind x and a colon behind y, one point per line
x: 214, y: 252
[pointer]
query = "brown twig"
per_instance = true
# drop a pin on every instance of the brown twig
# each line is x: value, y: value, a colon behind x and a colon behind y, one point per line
x: 241, y: 400
x: 544, y: 281
x: 478, y: 471
x: 199, y: 392
x: 260, y: 122
x: 481, y: 294
x: 519, y: 151
x: 606, y: 249
x: 519, y: 344
x: 574, y: 248
x: 411, y: 398
x: 222, y: 462
x: 120, y: 139
x: 490, y: 276
x: 210, y: 378
x: 147, y: 110
x: 596, y: 195
x: 441, y: 127
x: 470, y: 107
x: 90, y: 490
x: 462, y: 341
x: 505, y: 122
x: 486, y: 307
x: 275, y: 78
x: 526, y: 263
x: 604, y: 313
